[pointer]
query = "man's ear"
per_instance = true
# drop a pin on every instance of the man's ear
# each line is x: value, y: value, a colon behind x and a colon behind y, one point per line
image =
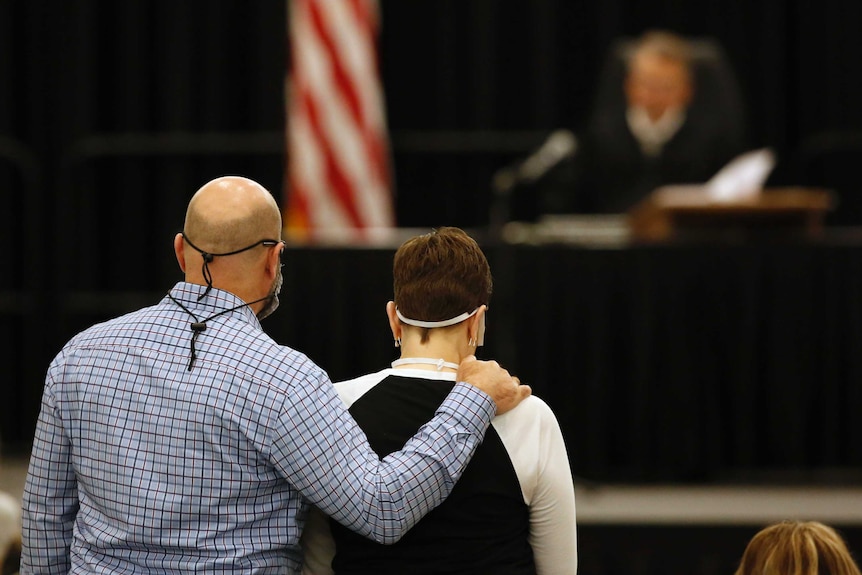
x: 273, y: 260
x: 179, y: 251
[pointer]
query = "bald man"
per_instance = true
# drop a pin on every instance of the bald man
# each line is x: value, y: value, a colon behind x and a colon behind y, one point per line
x: 180, y: 438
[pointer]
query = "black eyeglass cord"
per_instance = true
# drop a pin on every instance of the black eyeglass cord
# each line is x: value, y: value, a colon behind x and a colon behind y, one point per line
x: 198, y: 326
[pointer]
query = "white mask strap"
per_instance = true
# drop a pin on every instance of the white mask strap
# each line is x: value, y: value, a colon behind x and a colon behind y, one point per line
x: 432, y: 324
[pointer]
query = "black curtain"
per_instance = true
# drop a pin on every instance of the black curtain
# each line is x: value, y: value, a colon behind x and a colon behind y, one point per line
x: 113, y: 113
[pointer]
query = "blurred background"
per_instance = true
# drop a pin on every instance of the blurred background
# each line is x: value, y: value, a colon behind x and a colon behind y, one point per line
x: 715, y: 363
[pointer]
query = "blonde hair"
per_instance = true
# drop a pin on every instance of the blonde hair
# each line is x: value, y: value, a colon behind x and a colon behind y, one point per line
x: 665, y: 44
x: 797, y: 548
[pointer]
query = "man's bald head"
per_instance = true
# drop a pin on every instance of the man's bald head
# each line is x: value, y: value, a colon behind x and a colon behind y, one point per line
x: 231, y: 212
x: 229, y: 219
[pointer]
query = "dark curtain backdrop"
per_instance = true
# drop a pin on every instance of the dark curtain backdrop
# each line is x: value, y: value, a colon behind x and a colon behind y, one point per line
x: 113, y: 113
x: 676, y: 363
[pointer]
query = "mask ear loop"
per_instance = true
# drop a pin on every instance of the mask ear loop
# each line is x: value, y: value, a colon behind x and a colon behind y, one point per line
x: 205, y: 270
x: 208, y: 257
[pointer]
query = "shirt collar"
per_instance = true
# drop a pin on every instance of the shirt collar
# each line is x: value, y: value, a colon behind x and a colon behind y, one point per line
x: 216, y: 301
x: 422, y: 373
x: 653, y: 135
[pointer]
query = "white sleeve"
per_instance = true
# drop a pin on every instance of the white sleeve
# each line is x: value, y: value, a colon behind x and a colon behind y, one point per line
x: 534, y: 441
x: 553, y: 533
x: 318, y: 547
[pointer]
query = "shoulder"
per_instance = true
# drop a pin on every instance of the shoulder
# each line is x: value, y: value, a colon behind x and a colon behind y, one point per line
x: 532, y: 418
x: 533, y: 439
x: 352, y: 389
x: 106, y: 333
x: 532, y: 406
x: 260, y: 358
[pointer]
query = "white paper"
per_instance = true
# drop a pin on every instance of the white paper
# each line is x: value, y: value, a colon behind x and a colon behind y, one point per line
x: 743, y: 177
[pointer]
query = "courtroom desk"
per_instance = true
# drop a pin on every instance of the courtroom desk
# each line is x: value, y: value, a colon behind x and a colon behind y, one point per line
x: 689, y: 362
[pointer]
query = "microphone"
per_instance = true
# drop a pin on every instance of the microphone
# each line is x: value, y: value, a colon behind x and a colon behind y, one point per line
x: 560, y: 145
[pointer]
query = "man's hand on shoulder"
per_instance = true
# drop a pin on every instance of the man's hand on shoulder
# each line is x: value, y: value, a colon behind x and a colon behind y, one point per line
x: 506, y: 390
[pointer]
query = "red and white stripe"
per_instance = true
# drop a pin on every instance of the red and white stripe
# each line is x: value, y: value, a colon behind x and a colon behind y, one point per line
x: 338, y: 157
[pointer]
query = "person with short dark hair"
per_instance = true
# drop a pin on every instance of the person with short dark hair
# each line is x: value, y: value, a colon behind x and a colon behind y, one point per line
x: 513, y: 511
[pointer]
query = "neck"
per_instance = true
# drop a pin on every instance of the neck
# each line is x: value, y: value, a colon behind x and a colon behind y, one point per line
x: 253, y: 298
x: 424, y: 363
x: 446, y: 354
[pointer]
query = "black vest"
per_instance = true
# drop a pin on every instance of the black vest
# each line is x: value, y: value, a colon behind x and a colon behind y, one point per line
x: 483, y: 525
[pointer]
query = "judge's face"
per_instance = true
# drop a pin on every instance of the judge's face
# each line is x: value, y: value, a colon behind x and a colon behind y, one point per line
x: 657, y: 84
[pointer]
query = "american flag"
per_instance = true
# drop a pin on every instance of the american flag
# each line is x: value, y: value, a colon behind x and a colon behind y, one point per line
x: 338, y: 180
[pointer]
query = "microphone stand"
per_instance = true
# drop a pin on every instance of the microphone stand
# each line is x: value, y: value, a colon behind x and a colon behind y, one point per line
x: 559, y: 145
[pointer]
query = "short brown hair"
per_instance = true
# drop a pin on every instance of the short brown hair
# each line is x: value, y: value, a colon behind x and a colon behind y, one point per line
x: 440, y: 275
x: 797, y: 548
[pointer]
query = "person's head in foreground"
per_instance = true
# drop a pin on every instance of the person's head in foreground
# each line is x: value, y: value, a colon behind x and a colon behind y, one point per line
x: 231, y: 240
x: 797, y: 548
x: 442, y: 284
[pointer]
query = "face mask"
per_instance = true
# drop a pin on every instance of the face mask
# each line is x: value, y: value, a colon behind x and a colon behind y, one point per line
x: 272, y: 304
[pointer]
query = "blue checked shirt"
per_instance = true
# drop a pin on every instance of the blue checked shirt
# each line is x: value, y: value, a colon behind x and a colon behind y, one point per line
x: 140, y: 465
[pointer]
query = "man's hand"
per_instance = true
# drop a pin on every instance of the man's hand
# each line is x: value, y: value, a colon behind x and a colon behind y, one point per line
x: 506, y: 390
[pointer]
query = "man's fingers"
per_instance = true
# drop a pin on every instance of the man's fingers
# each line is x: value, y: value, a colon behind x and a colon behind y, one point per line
x: 505, y: 389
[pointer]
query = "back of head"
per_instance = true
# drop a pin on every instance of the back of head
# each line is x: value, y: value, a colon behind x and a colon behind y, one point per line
x: 440, y: 275
x: 230, y: 212
x: 797, y: 548
x: 227, y: 220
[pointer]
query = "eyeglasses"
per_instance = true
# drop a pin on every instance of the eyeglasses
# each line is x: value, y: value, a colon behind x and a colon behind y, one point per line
x: 270, y: 243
